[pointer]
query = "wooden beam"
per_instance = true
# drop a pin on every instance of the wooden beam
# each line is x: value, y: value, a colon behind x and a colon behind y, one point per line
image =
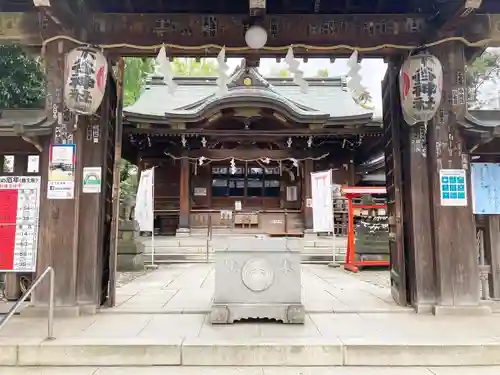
x: 450, y: 17
x: 317, y: 6
x: 202, y: 29
x: 257, y: 133
x: 71, y: 19
x: 257, y: 8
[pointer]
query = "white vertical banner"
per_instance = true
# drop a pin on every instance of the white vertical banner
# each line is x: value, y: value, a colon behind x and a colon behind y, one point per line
x: 144, y: 211
x: 322, y: 203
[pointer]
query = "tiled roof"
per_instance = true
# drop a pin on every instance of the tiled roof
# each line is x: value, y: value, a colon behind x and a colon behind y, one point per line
x: 326, y: 99
x: 30, y: 122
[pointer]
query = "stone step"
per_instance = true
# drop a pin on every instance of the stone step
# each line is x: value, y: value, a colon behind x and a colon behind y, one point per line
x: 197, y: 257
x: 251, y: 370
x: 250, y: 352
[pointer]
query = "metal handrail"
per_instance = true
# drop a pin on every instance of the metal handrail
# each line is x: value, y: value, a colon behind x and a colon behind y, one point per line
x: 38, y: 280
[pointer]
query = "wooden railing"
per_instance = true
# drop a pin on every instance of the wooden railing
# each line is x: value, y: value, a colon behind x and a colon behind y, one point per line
x: 488, y: 247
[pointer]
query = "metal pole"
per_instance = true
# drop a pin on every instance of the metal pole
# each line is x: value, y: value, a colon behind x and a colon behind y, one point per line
x: 50, y: 328
x: 153, y: 208
x: 333, y: 263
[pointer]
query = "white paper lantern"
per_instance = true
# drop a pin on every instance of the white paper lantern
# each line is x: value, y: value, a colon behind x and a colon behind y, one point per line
x: 420, y: 87
x: 256, y: 37
x: 86, y: 75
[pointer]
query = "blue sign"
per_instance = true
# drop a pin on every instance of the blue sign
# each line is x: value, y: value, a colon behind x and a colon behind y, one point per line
x: 486, y: 188
x: 453, y: 187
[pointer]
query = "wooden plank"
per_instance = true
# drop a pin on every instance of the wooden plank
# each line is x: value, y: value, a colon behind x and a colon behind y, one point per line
x: 329, y: 131
x: 394, y: 185
x: 115, y: 219
x: 308, y: 214
x: 492, y: 252
x: 184, y: 200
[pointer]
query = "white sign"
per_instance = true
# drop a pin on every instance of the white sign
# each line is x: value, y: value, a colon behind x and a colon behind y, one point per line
x: 86, y: 77
x: 91, y: 180
x: 60, y: 190
x: 144, y: 210
x: 19, y: 218
x: 322, y: 202
x: 453, y: 187
x: 237, y: 205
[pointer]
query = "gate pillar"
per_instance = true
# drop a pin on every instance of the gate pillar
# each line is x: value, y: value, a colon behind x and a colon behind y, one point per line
x: 70, y: 230
x: 453, y: 228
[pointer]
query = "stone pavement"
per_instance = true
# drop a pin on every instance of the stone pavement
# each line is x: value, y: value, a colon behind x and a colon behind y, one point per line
x: 161, y: 320
x: 253, y: 371
x: 182, y: 288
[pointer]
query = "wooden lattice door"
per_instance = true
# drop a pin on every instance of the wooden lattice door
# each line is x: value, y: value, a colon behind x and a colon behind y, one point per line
x: 392, y: 122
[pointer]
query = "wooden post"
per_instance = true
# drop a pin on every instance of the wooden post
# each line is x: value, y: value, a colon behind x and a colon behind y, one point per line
x: 90, y: 244
x: 453, y: 228
x: 59, y: 218
x: 415, y: 189
x: 115, y: 220
x: 417, y: 219
x: 184, y: 205
x: 307, y: 189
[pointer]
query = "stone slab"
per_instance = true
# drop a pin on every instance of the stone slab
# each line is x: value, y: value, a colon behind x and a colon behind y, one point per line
x: 188, y: 370
x: 100, y: 352
x: 8, y: 354
x: 262, y: 352
x: 421, y: 355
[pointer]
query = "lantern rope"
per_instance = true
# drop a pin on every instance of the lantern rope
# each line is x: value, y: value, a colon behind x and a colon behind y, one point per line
x: 261, y: 159
x: 480, y: 43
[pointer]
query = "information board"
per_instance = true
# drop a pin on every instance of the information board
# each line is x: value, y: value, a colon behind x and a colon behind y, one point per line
x: 486, y: 188
x: 453, y: 187
x: 19, y: 217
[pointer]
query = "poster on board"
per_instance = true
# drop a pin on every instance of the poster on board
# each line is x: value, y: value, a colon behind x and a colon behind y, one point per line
x: 322, y: 203
x: 61, y: 179
x: 453, y: 187
x: 19, y: 218
x: 485, y: 188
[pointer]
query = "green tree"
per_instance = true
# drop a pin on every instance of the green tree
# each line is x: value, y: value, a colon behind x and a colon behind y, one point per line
x: 134, y: 77
x: 277, y: 72
x: 22, y: 83
x: 485, y: 69
x: 323, y: 73
x: 188, y: 67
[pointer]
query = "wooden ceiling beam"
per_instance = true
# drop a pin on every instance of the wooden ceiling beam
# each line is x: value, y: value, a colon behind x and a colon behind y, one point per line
x: 69, y: 16
x: 257, y: 8
x: 334, y: 131
x: 449, y: 17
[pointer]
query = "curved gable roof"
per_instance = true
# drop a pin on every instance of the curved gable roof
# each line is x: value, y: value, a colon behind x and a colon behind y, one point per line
x: 325, y: 100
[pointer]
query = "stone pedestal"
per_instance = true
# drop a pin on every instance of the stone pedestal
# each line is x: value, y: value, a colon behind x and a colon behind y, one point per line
x: 257, y: 278
x: 130, y: 249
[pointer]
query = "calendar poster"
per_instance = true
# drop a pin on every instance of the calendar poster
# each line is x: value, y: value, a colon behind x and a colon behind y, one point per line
x: 19, y: 217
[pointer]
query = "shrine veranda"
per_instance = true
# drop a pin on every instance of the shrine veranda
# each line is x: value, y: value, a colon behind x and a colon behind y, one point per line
x: 247, y: 144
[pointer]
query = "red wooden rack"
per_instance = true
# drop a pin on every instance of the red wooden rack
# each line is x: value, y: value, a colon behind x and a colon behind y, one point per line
x: 351, y: 192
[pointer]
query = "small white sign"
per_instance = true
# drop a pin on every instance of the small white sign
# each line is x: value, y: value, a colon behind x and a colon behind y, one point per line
x: 237, y: 205
x: 92, y: 180
x: 60, y: 190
